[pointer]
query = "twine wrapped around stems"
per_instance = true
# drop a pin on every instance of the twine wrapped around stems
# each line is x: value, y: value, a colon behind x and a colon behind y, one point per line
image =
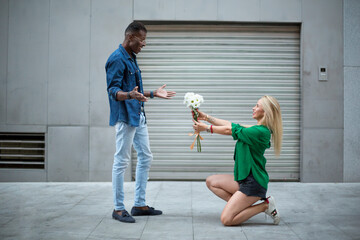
x: 197, y: 139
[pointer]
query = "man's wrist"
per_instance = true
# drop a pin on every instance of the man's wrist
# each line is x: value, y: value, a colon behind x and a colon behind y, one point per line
x: 128, y: 95
x: 152, y: 94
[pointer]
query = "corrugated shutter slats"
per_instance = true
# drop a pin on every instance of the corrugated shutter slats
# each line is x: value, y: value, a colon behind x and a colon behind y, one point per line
x: 232, y: 66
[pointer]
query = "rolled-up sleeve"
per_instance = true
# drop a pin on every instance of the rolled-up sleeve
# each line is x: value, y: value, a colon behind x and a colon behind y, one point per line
x: 114, y: 77
x: 243, y: 134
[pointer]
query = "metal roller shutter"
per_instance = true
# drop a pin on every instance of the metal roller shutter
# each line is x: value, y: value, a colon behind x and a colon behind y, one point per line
x: 232, y: 66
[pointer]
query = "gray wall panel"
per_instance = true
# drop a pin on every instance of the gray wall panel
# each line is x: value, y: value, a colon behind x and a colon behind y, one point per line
x: 23, y: 128
x: 68, y: 154
x: 102, y: 149
x: 4, y: 24
x: 322, y: 45
x: 22, y: 175
x: 327, y: 111
x: 323, y: 154
x: 27, y: 62
x: 351, y: 33
x: 280, y: 10
x: 69, y: 62
x: 351, y: 125
x: 196, y: 10
x: 351, y: 90
x: 108, y: 24
x: 239, y: 10
x: 154, y: 9
x: 322, y: 101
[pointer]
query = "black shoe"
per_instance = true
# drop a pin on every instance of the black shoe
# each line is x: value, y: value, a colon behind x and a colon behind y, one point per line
x: 150, y: 211
x: 124, y: 217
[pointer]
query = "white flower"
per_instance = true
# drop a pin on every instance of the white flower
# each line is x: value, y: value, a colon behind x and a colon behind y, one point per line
x: 193, y: 100
x: 187, y: 98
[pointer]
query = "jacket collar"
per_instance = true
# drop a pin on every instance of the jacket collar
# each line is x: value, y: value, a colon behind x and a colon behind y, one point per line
x: 122, y: 49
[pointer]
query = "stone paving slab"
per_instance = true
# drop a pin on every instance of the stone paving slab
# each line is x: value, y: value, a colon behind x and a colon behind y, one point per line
x: 191, y: 212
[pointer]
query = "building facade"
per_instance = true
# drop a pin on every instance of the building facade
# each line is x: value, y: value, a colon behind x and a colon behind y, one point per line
x: 53, y: 100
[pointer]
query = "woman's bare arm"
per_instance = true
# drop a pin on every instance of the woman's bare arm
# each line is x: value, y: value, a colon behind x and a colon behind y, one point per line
x: 223, y: 130
x: 213, y: 120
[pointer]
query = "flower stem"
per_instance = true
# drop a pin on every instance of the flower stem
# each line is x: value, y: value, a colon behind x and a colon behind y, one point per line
x: 198, y: 144
x: 195, y: 116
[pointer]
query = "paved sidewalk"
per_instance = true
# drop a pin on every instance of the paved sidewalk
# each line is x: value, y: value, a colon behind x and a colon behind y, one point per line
x: 83, y: 211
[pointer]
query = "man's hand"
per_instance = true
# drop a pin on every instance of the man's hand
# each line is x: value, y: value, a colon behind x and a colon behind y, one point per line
x: 162, y: 93
x: 134, y: 94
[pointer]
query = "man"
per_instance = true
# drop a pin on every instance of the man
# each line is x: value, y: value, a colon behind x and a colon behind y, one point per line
x: 126, y: 99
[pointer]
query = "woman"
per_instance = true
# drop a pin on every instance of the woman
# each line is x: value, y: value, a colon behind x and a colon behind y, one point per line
x: 249, y: 182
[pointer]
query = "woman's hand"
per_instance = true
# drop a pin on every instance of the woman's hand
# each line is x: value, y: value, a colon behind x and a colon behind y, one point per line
x: 199, y: 126
x: 202, y: 115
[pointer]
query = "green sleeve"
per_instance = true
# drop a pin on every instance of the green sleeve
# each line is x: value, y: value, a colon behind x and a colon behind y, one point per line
x: 247, y: 135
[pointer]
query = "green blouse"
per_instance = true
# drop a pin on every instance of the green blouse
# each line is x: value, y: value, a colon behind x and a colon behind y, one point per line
x: 249, y: 152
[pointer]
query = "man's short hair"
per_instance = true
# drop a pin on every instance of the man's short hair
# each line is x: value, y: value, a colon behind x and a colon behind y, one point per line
x: 135, y: 27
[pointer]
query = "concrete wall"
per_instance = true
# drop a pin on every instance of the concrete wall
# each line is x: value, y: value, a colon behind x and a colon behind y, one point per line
x: 351, y: 90
x: 4, y: 26
x: 52, y: 56
x: 322, y: 44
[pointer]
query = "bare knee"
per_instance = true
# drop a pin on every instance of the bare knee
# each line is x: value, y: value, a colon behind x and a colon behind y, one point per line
x: 227, y: 220
x: 210, y: 181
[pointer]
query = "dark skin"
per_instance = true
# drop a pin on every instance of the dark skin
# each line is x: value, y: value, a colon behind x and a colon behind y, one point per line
x: 133, y: 43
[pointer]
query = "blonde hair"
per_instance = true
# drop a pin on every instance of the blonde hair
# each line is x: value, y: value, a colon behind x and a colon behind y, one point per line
x: 272, y: 120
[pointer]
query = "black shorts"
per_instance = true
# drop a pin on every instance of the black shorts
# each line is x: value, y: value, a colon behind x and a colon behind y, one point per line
x: 250, y: 187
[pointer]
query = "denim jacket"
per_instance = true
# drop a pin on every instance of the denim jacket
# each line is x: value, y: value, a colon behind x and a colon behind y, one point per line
x: 123, y: 74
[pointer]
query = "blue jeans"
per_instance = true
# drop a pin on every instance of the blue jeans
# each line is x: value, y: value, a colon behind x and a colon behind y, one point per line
x: 126, y: 136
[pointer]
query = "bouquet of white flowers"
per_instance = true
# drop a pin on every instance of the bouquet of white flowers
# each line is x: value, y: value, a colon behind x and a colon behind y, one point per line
x: 193, y: 101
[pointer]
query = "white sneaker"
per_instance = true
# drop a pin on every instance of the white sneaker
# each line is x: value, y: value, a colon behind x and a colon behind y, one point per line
x: 271, y: 211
